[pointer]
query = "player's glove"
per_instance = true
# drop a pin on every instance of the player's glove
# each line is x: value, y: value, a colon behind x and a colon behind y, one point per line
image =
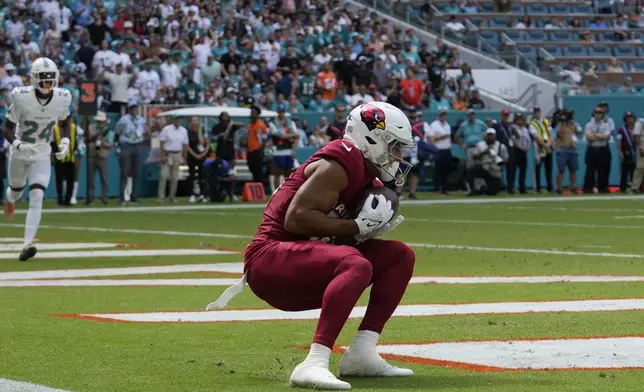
x: 381, y: 231
x: 24, y: 147
x: 371, y: 219
x: 63, y: 149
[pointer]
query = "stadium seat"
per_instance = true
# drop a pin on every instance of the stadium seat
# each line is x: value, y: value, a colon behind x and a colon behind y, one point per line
x: 517, y: 9
x: 601, y: 67
x: 490, y: 36
x: 478, y: 20
x: 488, y: 7
x: 515, y: 35
x: 600, y: 51
x: 554, y: 51
x: 625, y: 51
x: 583, y: 9
x: 575, y: 51
x: 606, y: 36
x: 560, y: 9
x: 537, y: 36
x: 537, y: 8
x: 500, y: 21
x: 639, y: 87
x: 640, y: 52
x: 638, y: 66
x: 528, y: 51
x: 561, y: 36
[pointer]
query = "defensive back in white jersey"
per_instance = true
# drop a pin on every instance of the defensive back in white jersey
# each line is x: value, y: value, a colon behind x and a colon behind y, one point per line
x: 34, y: 121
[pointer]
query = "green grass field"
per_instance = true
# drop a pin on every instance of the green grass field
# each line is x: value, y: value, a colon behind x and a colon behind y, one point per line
x: 593, y: 237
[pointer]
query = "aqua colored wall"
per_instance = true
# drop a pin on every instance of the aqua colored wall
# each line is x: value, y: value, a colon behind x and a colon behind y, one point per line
x: 617, y: 105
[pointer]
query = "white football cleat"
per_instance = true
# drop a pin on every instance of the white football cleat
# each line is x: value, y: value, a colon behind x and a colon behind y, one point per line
x: 312, y: 375
x: 369, y: 365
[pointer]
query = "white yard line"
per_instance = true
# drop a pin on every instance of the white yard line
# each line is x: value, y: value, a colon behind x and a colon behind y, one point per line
x: 526, y: 223
x: 59, y: 246
x: 486, y: 200
x: 123, y: 271
x: 418, y: 245
x: 533, y: 251
x: 136, y: 231
x: 124, y: 253
x: 358, y: 312
x: 231, y: 281
x: 11, y: 240
x: 626, y: 217
x: 19, y: 386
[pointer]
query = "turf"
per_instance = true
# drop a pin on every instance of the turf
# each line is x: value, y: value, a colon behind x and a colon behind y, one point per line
x: 81, y: 355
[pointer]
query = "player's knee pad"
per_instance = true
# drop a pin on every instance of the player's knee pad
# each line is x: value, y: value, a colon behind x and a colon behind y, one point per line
x: 36, y: 197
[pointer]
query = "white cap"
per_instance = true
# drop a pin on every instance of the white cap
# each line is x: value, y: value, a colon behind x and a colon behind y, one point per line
x: 9, y: 67
x: 490, y: 131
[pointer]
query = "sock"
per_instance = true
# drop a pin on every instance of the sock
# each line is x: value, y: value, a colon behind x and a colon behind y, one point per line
x: 271, y: 183
x: 33, y: 215
x: 13, y: 196
x: 364, y: 342
x: 75, y: 190
x: 319, y: 354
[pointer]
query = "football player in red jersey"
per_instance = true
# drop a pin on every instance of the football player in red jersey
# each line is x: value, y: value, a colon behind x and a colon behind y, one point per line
x: 293, y: 265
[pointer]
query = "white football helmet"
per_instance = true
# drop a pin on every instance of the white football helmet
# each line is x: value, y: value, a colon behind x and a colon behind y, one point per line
x: 44, y: 75
x: 382, y: 131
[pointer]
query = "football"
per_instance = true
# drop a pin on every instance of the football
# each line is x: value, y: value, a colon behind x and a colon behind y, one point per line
x: 386, y: 192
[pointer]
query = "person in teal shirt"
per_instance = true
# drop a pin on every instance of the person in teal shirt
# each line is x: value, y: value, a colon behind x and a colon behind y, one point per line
x: 295, y: 105
x: 471, y: 130
x: 190, y: 92
x: 319, y: 105
x: 306, y: 86
x: 439, y: 102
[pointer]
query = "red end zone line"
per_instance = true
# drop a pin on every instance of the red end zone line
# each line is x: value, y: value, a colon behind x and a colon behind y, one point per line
x: 246, y: 315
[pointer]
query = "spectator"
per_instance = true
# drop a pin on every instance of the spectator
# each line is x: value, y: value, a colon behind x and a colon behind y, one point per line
x: 327, y: 82
x: 286, y: 138
x: 100, y: 142
x: 130, y: 131
x: 149, y: 83
x: 174, y: 150
x: 455, y: 24
x: 598, y: 156
x: 521, y: 143
x: 119, y: 82
x: 440, y: 103
x: 471, y: 133
x: 475, y: 101
x: 566, y: 148
x: 627, y: 151
x: 541, y: 133
x: 336, y: 130
x: 255, y: 144
x: 489, y: 156
x: 12, y: 80
x: 197, y: 152
x: 412, y: 90
x: 613, y: 66
x: 210, y: 71
x: 440, y: 134
x: 461, y: 103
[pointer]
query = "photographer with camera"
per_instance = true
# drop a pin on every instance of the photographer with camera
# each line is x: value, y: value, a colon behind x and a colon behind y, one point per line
x: 100, y: 142
x: 627, y: 151
x: 565, y: 145
x: 597, y: 132
x: 489, y: 158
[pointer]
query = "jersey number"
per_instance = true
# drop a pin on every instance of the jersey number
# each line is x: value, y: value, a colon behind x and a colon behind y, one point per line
x: 32, y: 127
x: 88, y: 93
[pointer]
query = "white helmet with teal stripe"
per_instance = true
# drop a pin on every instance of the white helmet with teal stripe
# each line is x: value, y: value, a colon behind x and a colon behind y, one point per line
x: 44, y: 75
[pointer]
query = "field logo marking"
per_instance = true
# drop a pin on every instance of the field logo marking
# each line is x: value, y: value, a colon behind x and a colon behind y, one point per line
x: 592, y: 353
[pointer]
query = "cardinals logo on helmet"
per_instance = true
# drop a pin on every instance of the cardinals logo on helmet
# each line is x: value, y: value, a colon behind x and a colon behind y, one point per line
x: 373, y: 117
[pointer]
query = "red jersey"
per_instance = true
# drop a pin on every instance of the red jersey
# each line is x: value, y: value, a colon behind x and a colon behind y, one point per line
x: 349, y: 157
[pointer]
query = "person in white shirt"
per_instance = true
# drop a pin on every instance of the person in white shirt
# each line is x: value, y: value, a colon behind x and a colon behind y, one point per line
x: 12, y: 80
x: 455, y: 25
x: 122, y: 57
x: 28, y: 49
x: 15, y: 28
x: 201, y: 52
x: 322, y: 58
x: 119, y: 83
x: 149, y: 83
x: 170, y: 73
x: 104, y: 58
x: 440, y: 134
x: 61, y: 14
x: 48, y: 7
x: 174, y: 150
x: 362, y: 96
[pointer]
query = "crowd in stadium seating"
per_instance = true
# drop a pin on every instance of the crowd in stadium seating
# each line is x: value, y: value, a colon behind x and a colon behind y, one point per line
x: 271, y: 54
